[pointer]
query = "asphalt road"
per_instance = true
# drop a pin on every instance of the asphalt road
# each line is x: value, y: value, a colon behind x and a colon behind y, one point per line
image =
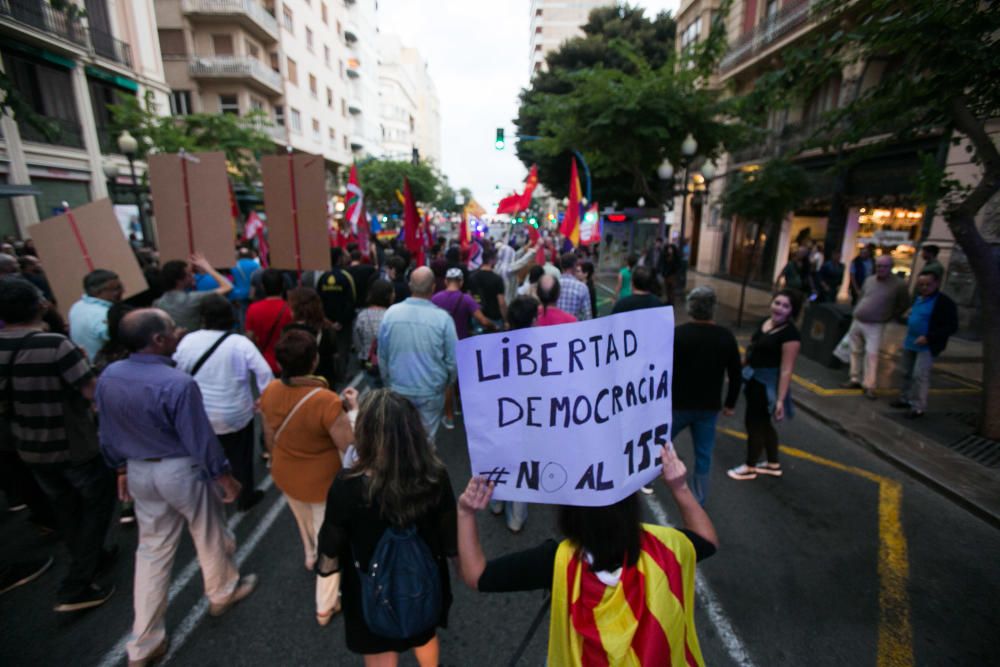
x: 843, y: 561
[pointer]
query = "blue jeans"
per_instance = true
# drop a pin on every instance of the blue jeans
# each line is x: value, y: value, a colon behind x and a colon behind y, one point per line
x: 702, y: 423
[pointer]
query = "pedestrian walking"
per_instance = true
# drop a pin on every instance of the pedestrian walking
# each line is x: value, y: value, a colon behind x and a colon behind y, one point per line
x: 488, y: 289
x: 380, y: 296
x: 155, y: 433
x: 397, y: 489
x: 222, y: 361
x: 549, y: 291
x: 932, y: 320
x: 46, y: 384
x: 644, y: 289
x: 308, y: 316
x: 178, y: 299
x: 883, y: 298
x: 268, y: 317
x: 307, y: 431
x: 338, y: 293
x: 416, y: 350
x: 670, y: 268
x: 830, y: 276
x: 929, y: 253
x: 767, y: 371
x: 574, y: 298
x: 622, y: 590
x: 705, y: 354
x: 88, y: 317
x: 623, y: 286
x: 587, y: 276
x: 797, y: 274
x: 862, y: 267
x: 363, y: 274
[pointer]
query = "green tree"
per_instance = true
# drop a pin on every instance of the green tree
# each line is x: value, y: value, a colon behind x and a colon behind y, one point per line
x: 242, y: 139
x: 622, y: 97
x: 763, y: 197
x: 381, y: 179
x: 941, y: 61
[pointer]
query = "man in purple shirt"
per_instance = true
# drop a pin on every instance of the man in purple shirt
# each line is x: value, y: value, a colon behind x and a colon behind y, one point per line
x: 154, y: 431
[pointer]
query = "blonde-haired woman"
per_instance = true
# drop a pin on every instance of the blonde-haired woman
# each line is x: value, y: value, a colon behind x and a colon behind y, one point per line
x: 307, y: 432
x: 396, y: 482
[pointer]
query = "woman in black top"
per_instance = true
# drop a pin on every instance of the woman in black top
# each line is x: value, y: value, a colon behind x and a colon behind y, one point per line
x: 396, y: 481
x: 770, y: 360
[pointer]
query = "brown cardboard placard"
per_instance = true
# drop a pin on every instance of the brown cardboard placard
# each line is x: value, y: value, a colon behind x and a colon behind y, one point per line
x: 192, y: 207
x: 295, y: 203
x: 73, y: 244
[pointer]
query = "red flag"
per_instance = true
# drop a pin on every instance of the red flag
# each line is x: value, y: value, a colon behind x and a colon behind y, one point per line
x: 570, y: 227
x: 511, y: 204
x: 529, y: 187
x: 411, y: 224
x: 254, y: 229
x: 463, y: 230
x: 355, y: 214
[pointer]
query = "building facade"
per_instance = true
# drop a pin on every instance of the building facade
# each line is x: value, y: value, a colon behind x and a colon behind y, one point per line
x: 409, y: 111
x: 552, y: 23
x: 872, y: 201
x: 68, y: 65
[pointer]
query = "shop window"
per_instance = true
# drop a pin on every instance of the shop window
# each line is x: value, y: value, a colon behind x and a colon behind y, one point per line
x: 229, y: 104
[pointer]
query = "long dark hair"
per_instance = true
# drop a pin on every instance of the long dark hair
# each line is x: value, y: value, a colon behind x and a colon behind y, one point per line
x: 611, y: 534
x: 403, y: 472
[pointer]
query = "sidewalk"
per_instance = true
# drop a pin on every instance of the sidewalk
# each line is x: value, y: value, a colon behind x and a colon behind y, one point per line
x: 941, y: 449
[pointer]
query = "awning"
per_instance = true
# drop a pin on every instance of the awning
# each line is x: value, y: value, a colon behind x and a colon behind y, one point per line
x: 10, y: 190
x: 114, y: 79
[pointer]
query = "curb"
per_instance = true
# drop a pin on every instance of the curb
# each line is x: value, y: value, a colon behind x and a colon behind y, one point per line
x: 987, y: 514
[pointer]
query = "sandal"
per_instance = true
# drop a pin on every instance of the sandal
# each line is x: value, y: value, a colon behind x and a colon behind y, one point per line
x: 768, y: 468
x: 324, y: 618
x: 742, y: 472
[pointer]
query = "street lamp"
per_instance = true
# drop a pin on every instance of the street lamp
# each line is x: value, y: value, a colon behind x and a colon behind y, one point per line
x: 129, y: 146
x: 689, y: 147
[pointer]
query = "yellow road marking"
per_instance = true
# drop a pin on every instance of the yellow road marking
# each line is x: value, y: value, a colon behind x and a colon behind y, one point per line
x: 895, y: 634
x: 823, y: 391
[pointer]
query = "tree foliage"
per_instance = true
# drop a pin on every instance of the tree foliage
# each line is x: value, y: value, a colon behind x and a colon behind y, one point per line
x: 381, y: 179
x: 766, y: 195
x: 623, y: 97
x: 940, y: 62
x: 242, y: 139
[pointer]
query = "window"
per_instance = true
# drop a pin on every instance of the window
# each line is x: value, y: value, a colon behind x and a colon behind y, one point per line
x: 172, y: 43
x: 293, y: 72
x: 256, y: 104
x: 341, y: 69
x: 340, y: 28
x: 343, y: 107
x: 253, y: 50
x: 309, y: 39
x: 296, y: 121
x: 288, y: 20
x: 229, y: 104
x: 322, y: 13
x: 538, y: 30
x: 538, y: 12
x: 346, y: 144
x: 316, y: 132
x: 329, y: 97
x: 771, y: 10
x: 326, y: 55
x: 691, y: 33
x: 275, y: 65
x: 312, y: 86
x: 333, y: 138
x: 180, y: 103
x: 279, y: 115
x: 538, y: 47
x: 222, y: 45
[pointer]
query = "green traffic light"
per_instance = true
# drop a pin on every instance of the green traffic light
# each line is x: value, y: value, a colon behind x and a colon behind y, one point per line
x: 500, y: 142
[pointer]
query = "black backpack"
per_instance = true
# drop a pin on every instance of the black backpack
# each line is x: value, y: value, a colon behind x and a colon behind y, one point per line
x: 401, y: 590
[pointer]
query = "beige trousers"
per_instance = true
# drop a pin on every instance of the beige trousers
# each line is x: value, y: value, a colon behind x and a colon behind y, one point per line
x: 169, y: 494
x: 309, y: 518
x: 866, y: 338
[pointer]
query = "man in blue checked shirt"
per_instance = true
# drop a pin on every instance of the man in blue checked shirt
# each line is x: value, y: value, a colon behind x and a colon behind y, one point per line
x: 574, y: 297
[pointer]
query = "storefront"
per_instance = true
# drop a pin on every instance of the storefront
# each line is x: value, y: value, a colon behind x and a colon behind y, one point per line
x: 894, y: 231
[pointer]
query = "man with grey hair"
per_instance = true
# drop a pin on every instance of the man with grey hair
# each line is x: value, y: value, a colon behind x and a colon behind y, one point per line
x: 88, y: 317
x: 8, y: 265
x: 416, y: 349
x: 704, y: 354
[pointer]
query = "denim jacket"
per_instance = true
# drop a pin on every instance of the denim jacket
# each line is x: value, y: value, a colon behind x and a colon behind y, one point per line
x: 769, y: 378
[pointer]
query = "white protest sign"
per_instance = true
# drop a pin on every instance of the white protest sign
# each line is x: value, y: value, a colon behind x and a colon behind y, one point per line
x: 575, y: 414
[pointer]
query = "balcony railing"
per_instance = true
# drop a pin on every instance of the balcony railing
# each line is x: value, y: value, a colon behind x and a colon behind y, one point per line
x: 65, y: 132
x: 236, y: 67
x: 767, y: 32
x: 255, y: 16
x: 43, y: 17
x: 107, y: 46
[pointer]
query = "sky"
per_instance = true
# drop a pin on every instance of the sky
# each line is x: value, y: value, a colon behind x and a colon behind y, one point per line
x: 477, y: 54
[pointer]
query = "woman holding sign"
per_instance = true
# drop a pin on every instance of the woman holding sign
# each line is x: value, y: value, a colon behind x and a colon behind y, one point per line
x: 622, y: 591
x: 767, y: 372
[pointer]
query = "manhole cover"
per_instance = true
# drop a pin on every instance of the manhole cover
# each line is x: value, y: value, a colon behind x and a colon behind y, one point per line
x: 982, y: 451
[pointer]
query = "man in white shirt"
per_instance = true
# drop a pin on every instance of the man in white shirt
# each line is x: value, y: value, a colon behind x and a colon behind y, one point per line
x: 221, y: 362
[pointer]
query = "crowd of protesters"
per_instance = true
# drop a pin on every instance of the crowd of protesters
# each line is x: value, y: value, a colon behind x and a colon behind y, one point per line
x: 154, y: 400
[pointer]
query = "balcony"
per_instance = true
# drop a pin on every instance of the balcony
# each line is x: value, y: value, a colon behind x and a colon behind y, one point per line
x: 239, y: 68
x: 106, y: 46
x: 64, y: 132
x: 793, y: 15
x: 350, y: 34
x: 248, y: 14
x: 354, y: 106
x: 42, y: 17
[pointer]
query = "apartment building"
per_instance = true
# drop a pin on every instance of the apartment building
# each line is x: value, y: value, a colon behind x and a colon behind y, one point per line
x: 68, y: 65
x: 871, y: 201
x: 409, y: 112
x: 552, y: 23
